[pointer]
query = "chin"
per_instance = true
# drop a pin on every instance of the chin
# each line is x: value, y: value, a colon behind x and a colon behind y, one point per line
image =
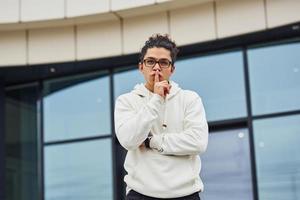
x: 150, y: 82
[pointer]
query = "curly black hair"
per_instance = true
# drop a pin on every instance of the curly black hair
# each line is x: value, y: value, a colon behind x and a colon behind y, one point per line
x: 159, y: 40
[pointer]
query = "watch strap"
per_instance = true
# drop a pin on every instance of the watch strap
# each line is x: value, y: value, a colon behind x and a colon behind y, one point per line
x: 147, y: 142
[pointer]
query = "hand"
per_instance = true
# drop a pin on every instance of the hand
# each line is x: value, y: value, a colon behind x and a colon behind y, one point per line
x: 161, y: 88
x: 142, y: 147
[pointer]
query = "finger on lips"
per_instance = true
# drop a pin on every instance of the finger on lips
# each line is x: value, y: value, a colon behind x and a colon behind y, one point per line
x: 156, y: 77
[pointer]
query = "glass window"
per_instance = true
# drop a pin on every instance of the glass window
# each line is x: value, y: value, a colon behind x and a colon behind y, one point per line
x: 125, y: 81
x: 277, y: 147
x: 81, y: 170
x: 21, y: 143
x: 226, y: 169
x: 77, y: 107
x: 219, y: 80
x: 275, y: 78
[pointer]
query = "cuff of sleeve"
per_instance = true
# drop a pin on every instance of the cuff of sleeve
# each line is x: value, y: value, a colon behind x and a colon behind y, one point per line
x: 156, y: 142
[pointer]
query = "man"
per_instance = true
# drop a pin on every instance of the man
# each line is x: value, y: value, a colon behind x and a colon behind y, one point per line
x: 163, y: 128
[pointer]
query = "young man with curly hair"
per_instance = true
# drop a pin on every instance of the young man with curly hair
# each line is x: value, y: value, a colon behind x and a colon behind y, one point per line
x: 163, y: 128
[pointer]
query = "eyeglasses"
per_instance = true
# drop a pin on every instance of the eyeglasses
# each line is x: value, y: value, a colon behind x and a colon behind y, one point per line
x: 151, y: 62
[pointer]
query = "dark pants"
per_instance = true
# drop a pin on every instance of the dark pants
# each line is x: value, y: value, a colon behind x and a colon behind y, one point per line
x: 133, y: 195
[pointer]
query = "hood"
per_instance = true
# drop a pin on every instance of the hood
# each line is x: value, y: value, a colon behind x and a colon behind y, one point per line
x: 142, y: 91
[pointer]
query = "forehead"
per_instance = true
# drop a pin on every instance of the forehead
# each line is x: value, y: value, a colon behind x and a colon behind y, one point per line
x: 158, y: 52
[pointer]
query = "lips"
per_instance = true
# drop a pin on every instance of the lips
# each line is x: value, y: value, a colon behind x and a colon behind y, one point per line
x: 153, y: 76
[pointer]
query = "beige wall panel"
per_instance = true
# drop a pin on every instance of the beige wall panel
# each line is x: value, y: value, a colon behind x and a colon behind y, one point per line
x: 280, y: 12
x: 237, y: 17
x: 51, y: 45
x: 161, y: 1
x: 144, y: 10
x: 161, y: 6
x: 138, y: 30
x: 193, y: 24
x: 12, y: 48
x: 86, y: 7
x: 99, y: 40
x: 9, y: 11
x: 35, y: 10
x: 127, y: 4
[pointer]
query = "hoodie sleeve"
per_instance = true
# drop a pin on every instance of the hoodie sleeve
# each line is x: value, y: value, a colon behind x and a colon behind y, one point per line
x: 133, y: 126
x: 192, y: 140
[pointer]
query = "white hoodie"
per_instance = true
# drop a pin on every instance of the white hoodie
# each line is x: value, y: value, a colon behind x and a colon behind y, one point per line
x: 171, y: 168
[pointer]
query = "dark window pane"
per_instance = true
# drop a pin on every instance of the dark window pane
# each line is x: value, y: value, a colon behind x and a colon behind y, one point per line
x: 226, y: 170
x: 78, y: 171
x: 275, y: 78
x: 219, y: 80
x: 277, y: 147
x: 77, y: 107
x: 21, y: 143
x: 125, y: 81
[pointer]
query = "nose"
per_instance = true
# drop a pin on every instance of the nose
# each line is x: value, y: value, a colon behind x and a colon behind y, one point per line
x: 156, y: 67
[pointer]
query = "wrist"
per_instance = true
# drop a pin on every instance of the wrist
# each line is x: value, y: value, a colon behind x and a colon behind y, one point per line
x: 156, y: 142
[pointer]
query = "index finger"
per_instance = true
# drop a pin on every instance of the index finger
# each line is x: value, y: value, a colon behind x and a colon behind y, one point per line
x: 156, y: 77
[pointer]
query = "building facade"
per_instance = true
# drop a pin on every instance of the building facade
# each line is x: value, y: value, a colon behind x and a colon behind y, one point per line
x: 64, y: 62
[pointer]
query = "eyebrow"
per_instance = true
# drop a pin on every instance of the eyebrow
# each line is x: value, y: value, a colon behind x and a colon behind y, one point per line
x: 157, y: 58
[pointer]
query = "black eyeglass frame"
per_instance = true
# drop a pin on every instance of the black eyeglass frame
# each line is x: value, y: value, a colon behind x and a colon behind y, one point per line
x: 157, y: 61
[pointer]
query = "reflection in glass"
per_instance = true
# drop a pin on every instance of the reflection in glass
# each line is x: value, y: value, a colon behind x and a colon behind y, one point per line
x: 78, y: 171
x: 275, y: 78
x: 125, y: 81
x: 21, y: 143
x: 226, y: 170
x: 76, y: 107
x: 277, y: 147
x: 219, y: 80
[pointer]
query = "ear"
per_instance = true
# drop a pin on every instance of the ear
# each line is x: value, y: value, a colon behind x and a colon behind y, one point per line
x: 141, y: 67
x: 172, y: 69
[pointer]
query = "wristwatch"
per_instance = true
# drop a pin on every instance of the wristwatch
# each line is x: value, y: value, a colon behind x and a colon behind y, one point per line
x: 147, y: 142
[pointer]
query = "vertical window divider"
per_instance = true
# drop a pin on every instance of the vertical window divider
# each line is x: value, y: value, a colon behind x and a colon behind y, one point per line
x: 2, y: 140
x: 115, y: 190
x: 40, y: 124
x: 250, y: 125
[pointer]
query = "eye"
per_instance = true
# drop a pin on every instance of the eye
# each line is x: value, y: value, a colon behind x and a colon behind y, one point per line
x: 164, y: 62
x: 150, y: 62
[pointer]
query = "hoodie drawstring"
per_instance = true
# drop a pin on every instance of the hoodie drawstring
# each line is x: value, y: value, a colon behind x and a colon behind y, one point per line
x: 142, y: 91
x: 164, y: 124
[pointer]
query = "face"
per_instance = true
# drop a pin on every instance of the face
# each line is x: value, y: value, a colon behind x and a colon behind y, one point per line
x: 149, y: 72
